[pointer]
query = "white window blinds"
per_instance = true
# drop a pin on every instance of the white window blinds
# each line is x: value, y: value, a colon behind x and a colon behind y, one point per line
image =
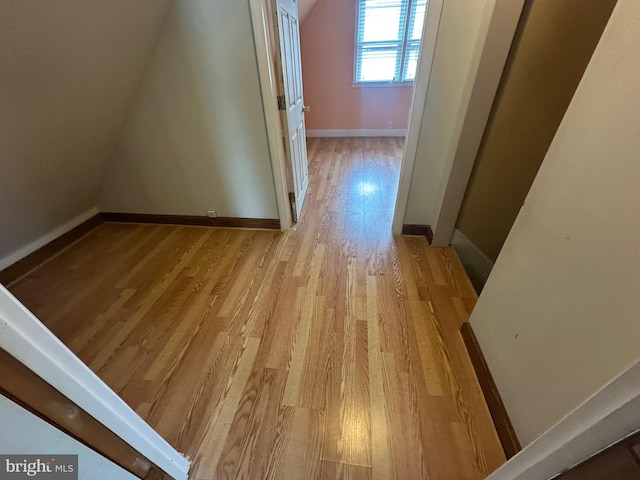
x: 388, y: 40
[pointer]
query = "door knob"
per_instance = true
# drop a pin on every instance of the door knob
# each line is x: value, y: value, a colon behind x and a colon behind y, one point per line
x: 306, y: 108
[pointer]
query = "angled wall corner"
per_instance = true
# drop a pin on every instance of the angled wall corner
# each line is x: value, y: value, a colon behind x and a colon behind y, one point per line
x: 457, y: 107
x: 554, y: 43
x: 68, y: 77
x: 557, y: 319
x: 196, y: 139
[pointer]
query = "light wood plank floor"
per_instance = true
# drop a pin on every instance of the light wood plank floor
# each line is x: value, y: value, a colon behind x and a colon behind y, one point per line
x: 330, y: 351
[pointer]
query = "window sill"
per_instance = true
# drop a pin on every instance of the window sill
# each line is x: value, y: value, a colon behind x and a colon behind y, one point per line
x: 381, y: 84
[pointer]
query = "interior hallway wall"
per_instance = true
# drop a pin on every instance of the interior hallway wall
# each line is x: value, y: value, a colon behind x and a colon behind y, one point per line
x: 463, y: 26
x: 558, y: 317
x: 68, y: 77
x: 196, y: 139
x: 555, y: 41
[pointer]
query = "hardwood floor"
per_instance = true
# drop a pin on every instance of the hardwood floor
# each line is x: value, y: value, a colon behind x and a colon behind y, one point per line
x: 329, y: 351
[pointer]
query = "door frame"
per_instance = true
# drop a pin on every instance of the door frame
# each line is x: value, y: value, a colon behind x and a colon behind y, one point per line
x: 269, y: 89
x: 420, y: 91
x: 498, y: 27
x: 267, y: 72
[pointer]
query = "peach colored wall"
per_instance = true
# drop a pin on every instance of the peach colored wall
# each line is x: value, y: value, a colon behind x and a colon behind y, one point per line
x: 304, y: 7
x: 327, y: 46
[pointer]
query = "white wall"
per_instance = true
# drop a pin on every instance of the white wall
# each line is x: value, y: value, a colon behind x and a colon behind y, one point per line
x: 196, y: 139
x: 473, y: 43
x: 463, y: 25
x: 558, y: 317
x: 608, y: 416
x: 68, y: 75
x: 25, y: 434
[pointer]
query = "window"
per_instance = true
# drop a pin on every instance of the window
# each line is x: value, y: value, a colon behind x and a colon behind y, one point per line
x: 388, y: 37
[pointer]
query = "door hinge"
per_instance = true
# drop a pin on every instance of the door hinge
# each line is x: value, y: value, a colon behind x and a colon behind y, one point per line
x: 294, y: 210
x: 282, y: 104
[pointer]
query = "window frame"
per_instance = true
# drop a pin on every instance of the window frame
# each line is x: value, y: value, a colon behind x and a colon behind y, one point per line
x: 404, y: 41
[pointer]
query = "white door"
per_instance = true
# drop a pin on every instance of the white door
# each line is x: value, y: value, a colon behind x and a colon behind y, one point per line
x: 292, y: 104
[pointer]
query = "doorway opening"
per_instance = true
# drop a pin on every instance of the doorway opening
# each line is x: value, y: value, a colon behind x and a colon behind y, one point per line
x: 355, y: 84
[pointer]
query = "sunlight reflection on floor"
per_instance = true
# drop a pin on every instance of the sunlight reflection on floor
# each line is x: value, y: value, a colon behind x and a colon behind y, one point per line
x: 367, y: 189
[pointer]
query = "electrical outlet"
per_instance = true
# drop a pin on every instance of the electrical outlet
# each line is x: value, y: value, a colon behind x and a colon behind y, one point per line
x: 212, y: 214
x: 389, y: 124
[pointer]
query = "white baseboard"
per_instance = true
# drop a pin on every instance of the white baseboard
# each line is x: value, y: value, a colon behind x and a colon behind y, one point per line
x: 383, y: 132
x: 477, y: 265
x: 49, y: 237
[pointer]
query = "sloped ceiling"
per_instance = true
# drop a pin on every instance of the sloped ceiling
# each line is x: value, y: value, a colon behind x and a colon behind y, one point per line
x: 304, y: 7
x: 68, y: 76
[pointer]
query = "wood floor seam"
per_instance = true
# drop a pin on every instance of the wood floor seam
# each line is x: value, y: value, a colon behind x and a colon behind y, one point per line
x: 330, y: 351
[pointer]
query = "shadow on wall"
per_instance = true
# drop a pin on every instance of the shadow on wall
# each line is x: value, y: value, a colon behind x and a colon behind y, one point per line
x: 553, y: 45
x: 195, y: 141
x: 68, y: 76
